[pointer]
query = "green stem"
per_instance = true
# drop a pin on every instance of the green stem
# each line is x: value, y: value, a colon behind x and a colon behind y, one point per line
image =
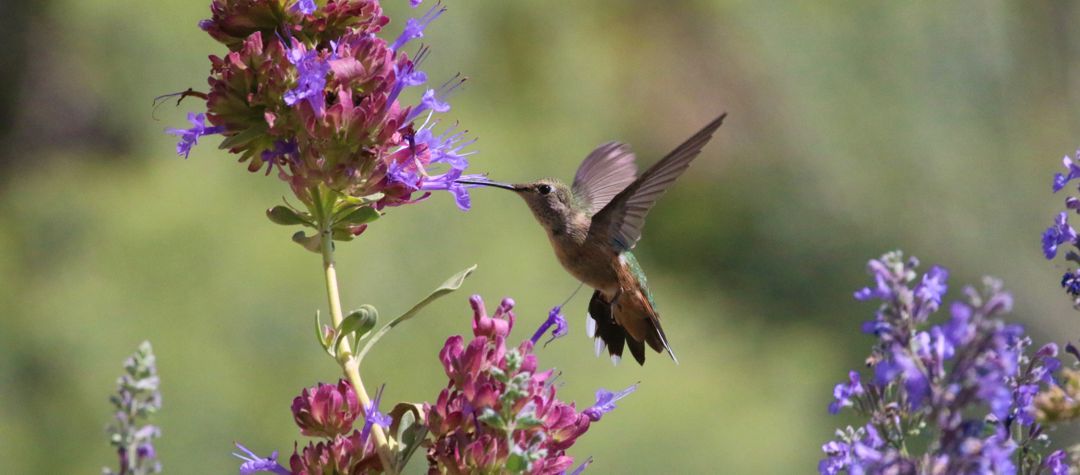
x: 345, y: 357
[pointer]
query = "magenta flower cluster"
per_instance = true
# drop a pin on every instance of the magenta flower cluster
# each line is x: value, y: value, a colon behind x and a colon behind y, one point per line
x: 963, y: 389
x: 498, y: 411
x: 314, y: 93
x: 328, y: 412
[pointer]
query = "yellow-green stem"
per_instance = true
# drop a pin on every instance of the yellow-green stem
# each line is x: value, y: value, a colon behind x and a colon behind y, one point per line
x: 344, y: 351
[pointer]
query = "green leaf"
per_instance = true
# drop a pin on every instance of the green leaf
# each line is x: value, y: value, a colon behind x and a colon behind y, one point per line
x: 358, y: 322
x: 451, y: 284
x: 311, y: 243
x: 527, y: 421
x: 363, y: 200
x: 241, y: 139
x: 342, y: 235
x: 492, y: 419
x: 409, y: 428
x: 321, y: 335
x: 357, y: 216
x: 285, y: 216
x: 516, y: 463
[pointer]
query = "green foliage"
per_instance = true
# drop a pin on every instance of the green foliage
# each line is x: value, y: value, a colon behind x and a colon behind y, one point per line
x: 451, y: 284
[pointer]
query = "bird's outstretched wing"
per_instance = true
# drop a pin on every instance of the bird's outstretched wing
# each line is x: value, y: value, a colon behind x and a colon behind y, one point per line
x: 625, y: 215
x: 603, y: 174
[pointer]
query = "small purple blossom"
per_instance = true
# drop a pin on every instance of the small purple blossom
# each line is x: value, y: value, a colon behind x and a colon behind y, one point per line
x: 1070, y: 281
x: 1057, y: 463
x: 255, y: 464
x: 408, y: 76
x: 190, y: 137
x: 1059, y: 233
x: 311, y: 71
x: 434, y: 100
x: 844, y: 392
x: 284, y: 151
x: 856, y: 452
x: 373, y: 417
x: 929, y: 292
x: 555, y: 318
x: 414, y: 27
x: 1072, y: 172
x: 445, y: 149
x: 306, y: 7
x: 884, y: 276
x: 605, y: 402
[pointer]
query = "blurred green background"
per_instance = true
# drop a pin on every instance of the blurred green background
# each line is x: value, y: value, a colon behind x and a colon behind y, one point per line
x: 854, y: 128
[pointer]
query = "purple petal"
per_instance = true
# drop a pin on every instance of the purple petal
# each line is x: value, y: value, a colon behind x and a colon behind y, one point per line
x: 254, y: 464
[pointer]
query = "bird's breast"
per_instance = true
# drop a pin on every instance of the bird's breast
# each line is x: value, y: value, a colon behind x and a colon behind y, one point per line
x: 593, y: 264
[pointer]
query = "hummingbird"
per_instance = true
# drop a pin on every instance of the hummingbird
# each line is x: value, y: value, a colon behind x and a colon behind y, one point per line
x: 593, y: 226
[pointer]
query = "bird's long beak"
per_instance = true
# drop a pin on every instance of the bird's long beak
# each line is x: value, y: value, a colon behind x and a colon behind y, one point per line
x: 488, y: 183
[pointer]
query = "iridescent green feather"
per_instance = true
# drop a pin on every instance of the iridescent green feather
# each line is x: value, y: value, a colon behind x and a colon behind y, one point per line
x: 639, y: 275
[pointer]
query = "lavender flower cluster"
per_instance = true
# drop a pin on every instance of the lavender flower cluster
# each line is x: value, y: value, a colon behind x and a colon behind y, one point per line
x: 137, y: 398
x: 1062, y: 233
x: 314, y: 92
x: 963, y: 391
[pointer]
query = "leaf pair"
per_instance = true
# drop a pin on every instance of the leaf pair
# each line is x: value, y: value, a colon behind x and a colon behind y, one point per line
x: 359, y: 323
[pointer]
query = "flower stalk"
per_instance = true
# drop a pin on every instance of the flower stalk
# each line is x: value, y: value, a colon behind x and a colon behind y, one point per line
x: 349, y: 363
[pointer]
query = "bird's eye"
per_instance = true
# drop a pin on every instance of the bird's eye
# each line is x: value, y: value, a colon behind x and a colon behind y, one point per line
x: 544, y: 189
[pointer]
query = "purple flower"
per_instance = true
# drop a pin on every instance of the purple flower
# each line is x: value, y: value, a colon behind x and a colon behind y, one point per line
x: 838, y: 457
x: 902, y: 368
x: 414, y: 27
x: 881, y: 291
x: 306, y: 7
x: 605, y: 402
x: 190, y: 137
x: 555, y: 318
x: 407, y: 76
x: 843, y: 393
x: 945, y: 377
x: 1057, y: 463
x: 856, y: 452
x: 933, y: 349
x: 1059, y: 233
x: 372, y: 416
x: 929, y: 292
x: 284, y: 151
x: 311, y: 71
x: 1073, y: 172
x: 1070, y: 281
x: 434, y: 100
x: 254, y: 464
x: 581, y: 468
x: 446, y: 147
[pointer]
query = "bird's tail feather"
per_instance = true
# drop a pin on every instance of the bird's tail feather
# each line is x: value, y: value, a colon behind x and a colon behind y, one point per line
x: 602, y: 325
